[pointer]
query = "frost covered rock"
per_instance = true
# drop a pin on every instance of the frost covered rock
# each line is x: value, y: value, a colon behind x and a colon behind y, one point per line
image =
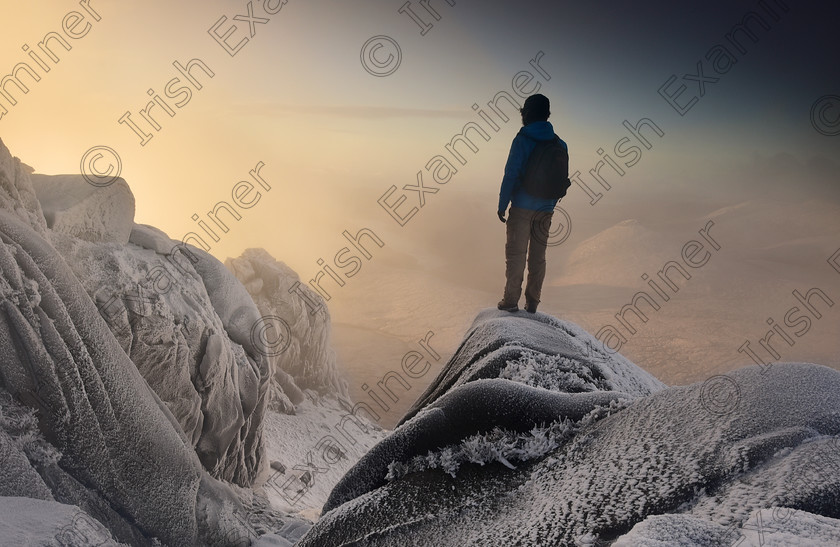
x: 20, y: 444
x: 537, y: 350
x: 181, y: 317
x: 772, y: 527
x: 122, y: 451
x: 184, y: 321
x: 298, y: 321
x: 511, y: 372
x: 129, y: 370
x: 73, y: 206
x: 473, y: 408
x: 676, y: 452
x: 16, y: 193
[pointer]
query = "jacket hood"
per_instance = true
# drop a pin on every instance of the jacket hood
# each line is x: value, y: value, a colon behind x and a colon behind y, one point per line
x: 540, y: 131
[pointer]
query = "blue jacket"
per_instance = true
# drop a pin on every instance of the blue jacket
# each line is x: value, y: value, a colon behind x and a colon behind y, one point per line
x: 520, y: 149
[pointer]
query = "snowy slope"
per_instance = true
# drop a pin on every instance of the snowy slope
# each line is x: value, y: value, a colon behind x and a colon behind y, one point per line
x: 315, y: 447
x: 629, y: 243
x: 29, y: 521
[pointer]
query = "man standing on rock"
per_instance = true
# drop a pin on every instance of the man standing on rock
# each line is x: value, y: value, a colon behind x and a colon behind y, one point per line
x: 536, y: 176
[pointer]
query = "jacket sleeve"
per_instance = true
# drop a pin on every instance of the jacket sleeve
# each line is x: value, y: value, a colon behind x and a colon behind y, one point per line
x: 513, y: 170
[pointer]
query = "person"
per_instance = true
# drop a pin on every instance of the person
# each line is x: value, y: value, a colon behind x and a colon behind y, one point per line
x: 529, y: 218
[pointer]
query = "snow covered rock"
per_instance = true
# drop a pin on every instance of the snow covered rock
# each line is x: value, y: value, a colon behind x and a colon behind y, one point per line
x: 21, y: 443
x: 185, y: 322
x: 16, y: 193
x: 511, y: 372
x: 539, y: 350
x: 473, y: 408
x: 73, y: 206
x: 297, y: 319
x: 679, y: 452
x: 182, y: 318
x: 772, y: 527
x: 121, y: 448
x: 130, y: 372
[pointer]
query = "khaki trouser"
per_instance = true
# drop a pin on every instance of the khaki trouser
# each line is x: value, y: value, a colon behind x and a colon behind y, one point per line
x: 527, y: 236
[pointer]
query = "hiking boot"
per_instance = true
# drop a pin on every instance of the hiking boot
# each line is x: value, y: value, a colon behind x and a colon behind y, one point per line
x: 504, y: 306
x: 531, y: 307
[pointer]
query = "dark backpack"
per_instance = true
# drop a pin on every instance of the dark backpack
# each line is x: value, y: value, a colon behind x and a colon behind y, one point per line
x: 546, y: 173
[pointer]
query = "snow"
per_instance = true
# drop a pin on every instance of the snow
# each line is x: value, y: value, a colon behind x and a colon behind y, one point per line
x: 552, y: 372
x: 629, y: 243
x: 37, y: 522
x: 298, y: 443
x: 309, y: 430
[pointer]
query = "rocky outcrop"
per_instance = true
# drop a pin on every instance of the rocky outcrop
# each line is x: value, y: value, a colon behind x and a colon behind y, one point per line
x: 17, y: 195
x: 129, y: 380
x: 299, y: 321
x: 474, y: 408
x: 74, y: 207
x: 703, y: 459
x: 537, y: 350
x: 184, y: 321
x: 92, y: 404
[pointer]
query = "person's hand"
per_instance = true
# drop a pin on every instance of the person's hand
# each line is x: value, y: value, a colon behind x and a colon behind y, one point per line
x: 502, y: 216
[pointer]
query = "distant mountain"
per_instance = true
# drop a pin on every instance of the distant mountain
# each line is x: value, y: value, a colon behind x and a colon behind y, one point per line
x: 608, y: 257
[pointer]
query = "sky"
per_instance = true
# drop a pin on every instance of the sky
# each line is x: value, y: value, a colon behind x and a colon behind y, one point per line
x: 335, y: 124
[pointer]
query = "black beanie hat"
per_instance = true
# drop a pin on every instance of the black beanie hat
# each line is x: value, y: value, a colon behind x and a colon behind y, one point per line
x: 535, y: 109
